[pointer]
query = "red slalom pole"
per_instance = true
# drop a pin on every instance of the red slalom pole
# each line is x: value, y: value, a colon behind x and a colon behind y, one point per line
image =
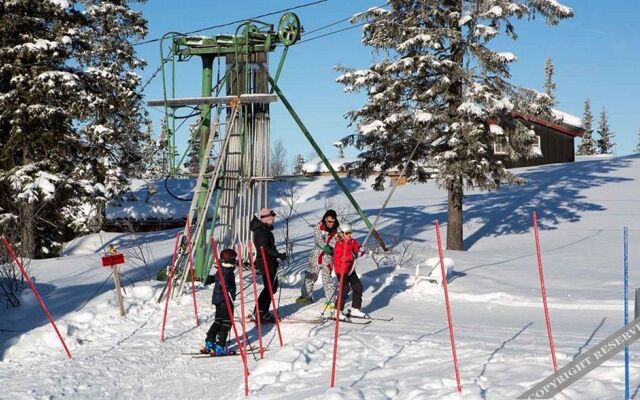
x: 36, y: 293
x: 227, y: 303
x: 544, y: 293
x: 273, y: 300
x: 445, y: 286
x: 337, y: 320
x: 169, y: 284
x: 192, y: 272
x: 255, y: 299
x: 242, y: 322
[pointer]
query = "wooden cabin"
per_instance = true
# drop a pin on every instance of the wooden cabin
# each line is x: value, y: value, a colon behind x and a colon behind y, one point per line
x: 556, y: 141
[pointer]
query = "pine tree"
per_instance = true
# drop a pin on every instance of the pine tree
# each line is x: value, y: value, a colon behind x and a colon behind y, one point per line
x: 66, y: 87
x: 298, y: 165
x: 114, y: 130
x: 422, y: 93
x: 587, y: 145
x: 549, y: 85
x: 605, y: 143
x: 637, y: 149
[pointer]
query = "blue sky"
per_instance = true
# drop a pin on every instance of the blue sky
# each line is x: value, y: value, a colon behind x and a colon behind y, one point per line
x: 595, y: 55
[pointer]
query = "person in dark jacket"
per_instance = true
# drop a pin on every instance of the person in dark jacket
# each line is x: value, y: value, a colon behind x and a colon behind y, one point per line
x: 222, y: 323
x: 263, y: 238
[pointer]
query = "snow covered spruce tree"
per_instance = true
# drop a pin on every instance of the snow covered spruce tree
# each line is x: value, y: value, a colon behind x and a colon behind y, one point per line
x: 114, y: 132
x: 438, y: 86
x: 587, y: 145
x: 67, y: 97
x: 549, y: 84
x: 605, y: 143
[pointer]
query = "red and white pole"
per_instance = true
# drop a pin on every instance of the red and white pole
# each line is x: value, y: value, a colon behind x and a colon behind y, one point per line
x: 36, y: 293
x: 242, y: 323
x: 273, y: 300
x: 445, y: 286
x: 255, y: 299
x: 543, y: 293
x: 336, y: 331
x: 169, y: 284
x: 227, y: 303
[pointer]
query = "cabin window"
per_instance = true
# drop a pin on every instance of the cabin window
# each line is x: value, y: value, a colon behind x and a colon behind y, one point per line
x: 500, y: 145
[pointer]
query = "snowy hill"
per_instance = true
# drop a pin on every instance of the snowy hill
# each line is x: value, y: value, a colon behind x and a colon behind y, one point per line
x: 499, y: 324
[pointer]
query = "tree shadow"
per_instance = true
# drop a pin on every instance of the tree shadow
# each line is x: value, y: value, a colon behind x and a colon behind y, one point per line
x: 555, y: 190
x: 122, y: 240
x: 590, y: 337
x: 384, y: 285
x: 329, y: 187
x: 483, y: 391
x: 64, y: 300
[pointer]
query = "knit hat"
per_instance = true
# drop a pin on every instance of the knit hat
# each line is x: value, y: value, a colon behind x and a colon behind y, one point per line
x: 267, y: 212
x: 345, y: 228
x: 228, y: 255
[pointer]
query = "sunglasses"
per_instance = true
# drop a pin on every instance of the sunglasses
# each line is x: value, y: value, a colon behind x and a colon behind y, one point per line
x: 271, y: 214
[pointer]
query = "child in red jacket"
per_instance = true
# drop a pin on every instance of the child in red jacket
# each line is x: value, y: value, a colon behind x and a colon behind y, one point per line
x: 344, y: 255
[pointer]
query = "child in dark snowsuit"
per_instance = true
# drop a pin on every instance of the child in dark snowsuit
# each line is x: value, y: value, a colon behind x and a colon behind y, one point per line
x: 222, y: 324
x: 344, y: 255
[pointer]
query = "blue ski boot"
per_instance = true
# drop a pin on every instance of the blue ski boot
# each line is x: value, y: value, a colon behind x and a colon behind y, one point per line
x: 208, y: 348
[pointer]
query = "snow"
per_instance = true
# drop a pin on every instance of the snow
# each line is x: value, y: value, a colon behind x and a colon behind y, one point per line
x: 49, y: 78
x: 493, y: 12
x: 508, y: 57
x: 60, y: 3
x: 317, y: 166
x: 465, y: 19
x: 373, y: 127
x: 499, y: 326
x: 139, y: 203
x: 496, y: 129
x: 470, y: 108
x: 567, y: 118
x: 422, y: 116
x: 560, y: 7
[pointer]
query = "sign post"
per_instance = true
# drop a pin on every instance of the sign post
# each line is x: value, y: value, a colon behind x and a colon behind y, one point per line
x: 111, y: 260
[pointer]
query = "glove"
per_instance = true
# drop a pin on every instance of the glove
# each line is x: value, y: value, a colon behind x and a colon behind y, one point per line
x: 282, y: 256
x: 328, y: 249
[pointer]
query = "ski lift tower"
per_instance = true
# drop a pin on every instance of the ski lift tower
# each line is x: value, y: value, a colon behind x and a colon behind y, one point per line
x: 233, y: 165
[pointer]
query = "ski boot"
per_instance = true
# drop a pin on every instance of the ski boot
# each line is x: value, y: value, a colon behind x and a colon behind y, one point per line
x: 329, y: 306
x: 208, y: 347
x: 304, y: 300
x: 356, y: 313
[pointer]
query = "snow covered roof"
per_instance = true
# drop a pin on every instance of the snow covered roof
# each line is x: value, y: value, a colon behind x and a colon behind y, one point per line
x: 566, y: 123
x: 316, y: 165
x: 567, y: 118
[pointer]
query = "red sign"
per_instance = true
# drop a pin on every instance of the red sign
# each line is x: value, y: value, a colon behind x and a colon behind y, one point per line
x: 110, y: 261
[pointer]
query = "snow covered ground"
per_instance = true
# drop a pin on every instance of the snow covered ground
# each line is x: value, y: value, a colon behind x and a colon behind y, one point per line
x: 499, y: 324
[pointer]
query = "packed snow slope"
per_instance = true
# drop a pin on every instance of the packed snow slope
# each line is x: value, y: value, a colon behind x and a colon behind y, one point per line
x: 499, y: 326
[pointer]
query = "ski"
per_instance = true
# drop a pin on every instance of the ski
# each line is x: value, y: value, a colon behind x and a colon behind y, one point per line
x: 232, y: 353
x: 374, y: 318
x: 355, y: 321
x: 200, y: 355
x: 289, y: 320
